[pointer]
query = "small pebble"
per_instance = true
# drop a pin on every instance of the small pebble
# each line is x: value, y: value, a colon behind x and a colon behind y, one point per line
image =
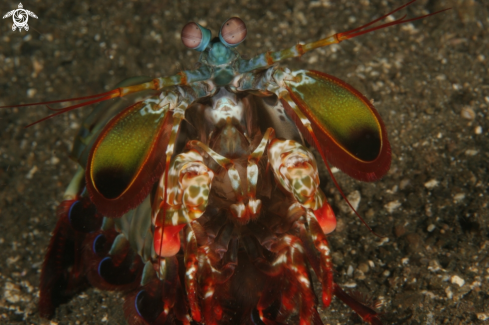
x: 350, y: 285
x: 31, y: 172
x: 349, y: 272
x: 392, y: 206
x: 12, y: 260
x: 482, y: 316
x: 458, y: 197
x: 37, y: 65
x: 363, y: 267
x: 386, y: 273
x: 431, y: 228
x: 471, y: 152
x: 399, y: 230
x: 404, y: 183
x: 354, y: 198
x: 313, y: 59
x: 405, y: 261
x: 338, y: 258
x: 414, y: 240
x: 468, y: 113
x: 457, y: 280
x: 359, y: 275
x: 334, y: 170
x: 449, y: 292
x: 431, y: 184
x: 370, y: 213
x: 31, y: 92
x: 12, y: 293
x: 301, y: 18
x: 382, y: 241
x: 475, y: 284
x: 434, y: 266
x: 340, y: 225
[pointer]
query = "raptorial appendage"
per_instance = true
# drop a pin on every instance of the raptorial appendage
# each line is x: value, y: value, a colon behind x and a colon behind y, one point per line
x: 295, y: 169
x: 227, y: 235
x: 228, y: 269
x: 183, y: 199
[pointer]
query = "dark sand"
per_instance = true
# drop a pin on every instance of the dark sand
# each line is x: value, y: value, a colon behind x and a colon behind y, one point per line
x: 429, y: 81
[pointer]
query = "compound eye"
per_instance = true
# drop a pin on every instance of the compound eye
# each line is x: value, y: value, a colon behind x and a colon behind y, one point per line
x: 195, y: 37
x: 233, y: 32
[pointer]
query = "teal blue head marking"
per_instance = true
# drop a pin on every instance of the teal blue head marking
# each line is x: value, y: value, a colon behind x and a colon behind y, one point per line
x: 219, y: 54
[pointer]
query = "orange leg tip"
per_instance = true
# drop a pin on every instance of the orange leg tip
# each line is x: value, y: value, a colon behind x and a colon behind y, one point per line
x: 166, y: 240
x: 326, y: 299
x: 289, y: 305
x: 196, y: 316
x: 326, y: 218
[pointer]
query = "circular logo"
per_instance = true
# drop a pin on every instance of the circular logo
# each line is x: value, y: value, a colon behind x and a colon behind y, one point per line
x: 20, y: 17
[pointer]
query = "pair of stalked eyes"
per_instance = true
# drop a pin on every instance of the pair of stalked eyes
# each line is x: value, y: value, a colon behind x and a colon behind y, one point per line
x: 196, y: 37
